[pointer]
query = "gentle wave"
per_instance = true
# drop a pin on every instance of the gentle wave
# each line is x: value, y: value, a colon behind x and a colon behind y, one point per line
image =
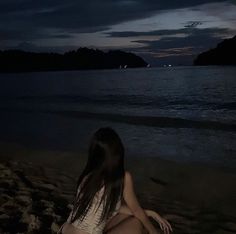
x: 127, y: 100
x: 153, y: 121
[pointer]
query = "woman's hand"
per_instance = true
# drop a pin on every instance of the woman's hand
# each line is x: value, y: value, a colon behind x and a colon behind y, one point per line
x: 164, y: 224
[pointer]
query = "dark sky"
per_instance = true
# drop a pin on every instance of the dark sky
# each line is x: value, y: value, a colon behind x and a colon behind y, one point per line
x: 163, y: 32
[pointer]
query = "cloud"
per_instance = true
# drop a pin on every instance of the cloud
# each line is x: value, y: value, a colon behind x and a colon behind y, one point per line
x: 29, y: 19
x: 170, y: 32
x: 195, y: 38
x: 193, y: 24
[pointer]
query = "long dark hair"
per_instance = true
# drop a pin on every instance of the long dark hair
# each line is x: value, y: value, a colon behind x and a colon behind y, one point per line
x: 105, y: 167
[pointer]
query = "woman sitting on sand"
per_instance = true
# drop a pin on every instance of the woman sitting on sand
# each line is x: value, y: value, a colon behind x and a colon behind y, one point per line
x: 105, y: 201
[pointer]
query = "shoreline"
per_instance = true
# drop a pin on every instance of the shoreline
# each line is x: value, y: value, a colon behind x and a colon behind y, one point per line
x: 38, y: 185
x: 10, y: 150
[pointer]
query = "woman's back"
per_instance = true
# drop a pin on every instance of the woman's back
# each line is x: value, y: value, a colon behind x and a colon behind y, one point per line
x: 90, y: 223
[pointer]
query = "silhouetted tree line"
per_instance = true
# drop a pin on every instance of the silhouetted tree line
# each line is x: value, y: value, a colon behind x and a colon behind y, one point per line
x: 83, y: 58
x: 223, y: 54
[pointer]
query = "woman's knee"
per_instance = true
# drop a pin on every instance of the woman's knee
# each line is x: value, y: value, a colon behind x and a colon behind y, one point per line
x: 129, y: 225
x: 135, y: 221
x: 136, y: 225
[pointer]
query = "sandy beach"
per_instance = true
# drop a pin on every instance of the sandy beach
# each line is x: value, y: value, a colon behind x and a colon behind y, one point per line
x: 37, y: 187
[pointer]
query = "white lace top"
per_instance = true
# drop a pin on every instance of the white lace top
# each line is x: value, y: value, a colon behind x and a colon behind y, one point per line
x: 90, y: 223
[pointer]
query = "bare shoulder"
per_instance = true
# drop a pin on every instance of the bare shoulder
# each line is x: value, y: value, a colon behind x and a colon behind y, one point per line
x: 127, y: 174
x: 128, y: 177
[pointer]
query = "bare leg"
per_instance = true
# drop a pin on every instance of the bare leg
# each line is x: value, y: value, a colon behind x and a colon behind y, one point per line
x: 125, y: 224
x: 120, y: 217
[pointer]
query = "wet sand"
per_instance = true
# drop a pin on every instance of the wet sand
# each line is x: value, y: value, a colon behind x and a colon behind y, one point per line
x: 37, y: 187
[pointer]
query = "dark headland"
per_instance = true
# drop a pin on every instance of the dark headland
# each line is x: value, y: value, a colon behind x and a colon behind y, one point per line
x: 81, y: 59
x: 223, y: 54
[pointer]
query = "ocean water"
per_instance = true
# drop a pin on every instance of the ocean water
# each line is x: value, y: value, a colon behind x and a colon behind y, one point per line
x: 185, y: 114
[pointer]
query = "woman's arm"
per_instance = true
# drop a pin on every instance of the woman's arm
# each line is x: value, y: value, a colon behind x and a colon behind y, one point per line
x: 133, y: 204
x: 124, y: 209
